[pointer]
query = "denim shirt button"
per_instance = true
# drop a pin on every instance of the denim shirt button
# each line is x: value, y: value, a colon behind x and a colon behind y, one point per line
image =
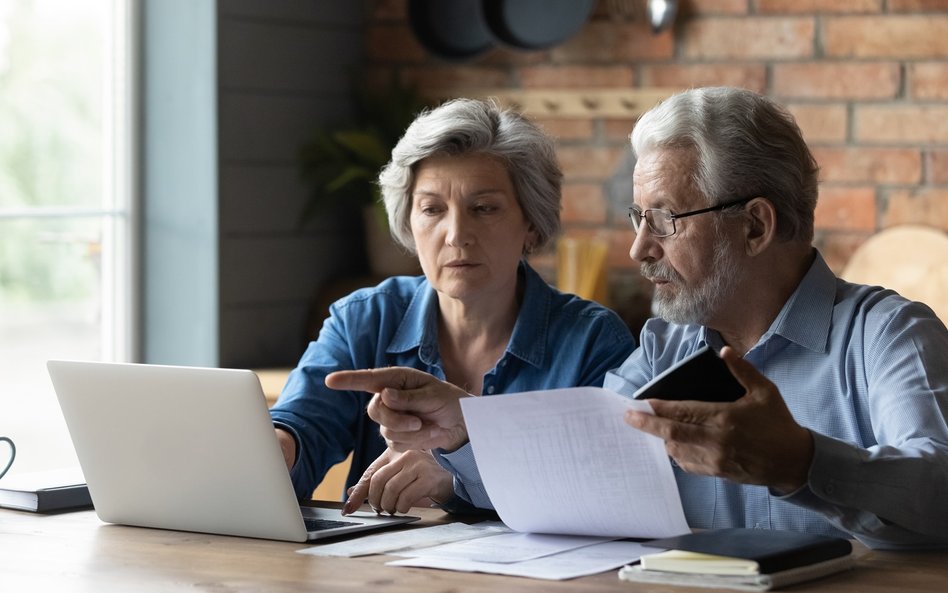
x: 490, y: 390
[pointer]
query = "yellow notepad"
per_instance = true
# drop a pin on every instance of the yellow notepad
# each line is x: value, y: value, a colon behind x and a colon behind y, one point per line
x: 696, y: 562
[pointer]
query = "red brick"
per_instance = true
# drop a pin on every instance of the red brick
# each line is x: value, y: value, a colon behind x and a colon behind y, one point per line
x: 749, y: 38
x: 927, y: 206
x: 878, y: 165
x: 821, y: 123
x: 393, y: 43
x: 583, y: 203
x: 902, y: 123
x: 886, y: 36
x: 928, y: 80
x: 508, y: 56
x: 615, y: 42
x: 748, y: 76
x: 708, y: 7
x: 846, y: 208
x: 576, y: 76
x: 917, y: 5
x: 620, y: 243
x: 588, y: 162
x: 837, y: 247
x: 936, y: 162
x: 837, y: 80
x: 444, y: 77
x: 823, y: 6
x: 618, y: 130
x: 567, y: 129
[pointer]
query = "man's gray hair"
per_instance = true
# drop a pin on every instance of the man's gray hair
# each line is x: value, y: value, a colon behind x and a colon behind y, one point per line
x: 746, y: 146
x: 470, y: 126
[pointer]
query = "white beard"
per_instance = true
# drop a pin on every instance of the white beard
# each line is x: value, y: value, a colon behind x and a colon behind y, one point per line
x: 696, y: 305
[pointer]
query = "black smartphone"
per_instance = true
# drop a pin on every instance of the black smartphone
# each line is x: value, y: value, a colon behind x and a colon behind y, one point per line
x: 702, y: 376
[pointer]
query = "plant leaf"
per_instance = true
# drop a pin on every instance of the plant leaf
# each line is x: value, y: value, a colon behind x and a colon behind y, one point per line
x: 366, y: 145
x: 348, y: 175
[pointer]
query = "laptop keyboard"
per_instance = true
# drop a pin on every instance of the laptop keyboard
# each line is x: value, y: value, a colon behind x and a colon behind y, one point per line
x: 323, y: 524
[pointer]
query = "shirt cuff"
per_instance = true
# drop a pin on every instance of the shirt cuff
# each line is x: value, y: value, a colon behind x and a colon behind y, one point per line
x: 467, y: 478
x: 294, y: 434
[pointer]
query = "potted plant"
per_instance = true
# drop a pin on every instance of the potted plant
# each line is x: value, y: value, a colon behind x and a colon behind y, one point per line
x: 341, y: 166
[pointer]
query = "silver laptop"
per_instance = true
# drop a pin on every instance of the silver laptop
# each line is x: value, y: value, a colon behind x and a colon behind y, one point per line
x: 187, y: 448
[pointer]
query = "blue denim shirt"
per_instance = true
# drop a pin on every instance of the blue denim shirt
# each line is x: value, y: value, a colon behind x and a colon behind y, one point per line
x: 559, y: 340
x: 866, y: 371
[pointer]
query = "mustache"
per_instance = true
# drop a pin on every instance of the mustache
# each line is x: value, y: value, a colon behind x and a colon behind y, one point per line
x: 659, y: 271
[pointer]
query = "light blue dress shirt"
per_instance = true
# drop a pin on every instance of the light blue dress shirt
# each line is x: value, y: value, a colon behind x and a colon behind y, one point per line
x: 558, y: 340
x: 866, y: 371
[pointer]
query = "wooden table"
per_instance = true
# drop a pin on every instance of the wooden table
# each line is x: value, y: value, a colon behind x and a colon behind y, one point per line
x: 75, y: 552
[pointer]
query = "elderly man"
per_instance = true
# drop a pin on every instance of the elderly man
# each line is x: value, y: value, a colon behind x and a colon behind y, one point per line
x: 842, y: 429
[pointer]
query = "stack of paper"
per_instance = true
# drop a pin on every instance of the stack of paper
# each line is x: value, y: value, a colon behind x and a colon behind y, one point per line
x: 565, y: 472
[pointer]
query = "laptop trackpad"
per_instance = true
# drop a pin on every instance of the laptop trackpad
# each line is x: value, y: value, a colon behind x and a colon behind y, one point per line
x: 322, y: 523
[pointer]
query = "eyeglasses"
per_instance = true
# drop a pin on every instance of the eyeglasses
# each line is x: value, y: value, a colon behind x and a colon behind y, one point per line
x: 661, y: 222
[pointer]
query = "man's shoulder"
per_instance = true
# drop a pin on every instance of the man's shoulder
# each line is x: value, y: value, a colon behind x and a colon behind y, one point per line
x: 876, y: 303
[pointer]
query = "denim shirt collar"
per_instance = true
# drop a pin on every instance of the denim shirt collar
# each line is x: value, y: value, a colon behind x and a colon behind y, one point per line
x: 806, y: 316
x: 419, y: 326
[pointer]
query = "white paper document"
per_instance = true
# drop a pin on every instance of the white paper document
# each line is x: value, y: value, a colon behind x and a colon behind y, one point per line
x: 505, y: 548
x: 571, y: 564
x: 564, y: 461
x: 425, y: 537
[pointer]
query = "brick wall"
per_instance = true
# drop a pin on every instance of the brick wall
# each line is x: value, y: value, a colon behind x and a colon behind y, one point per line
x: 866, y: 79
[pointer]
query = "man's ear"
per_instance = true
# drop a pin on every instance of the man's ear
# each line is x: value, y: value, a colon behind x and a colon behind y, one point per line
x: 760, y: 229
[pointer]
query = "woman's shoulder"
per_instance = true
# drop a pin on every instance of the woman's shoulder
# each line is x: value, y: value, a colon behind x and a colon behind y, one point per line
x: 586, y: 315
x: 396, y: 290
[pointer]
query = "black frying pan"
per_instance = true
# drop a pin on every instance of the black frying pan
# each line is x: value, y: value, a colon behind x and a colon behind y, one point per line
x: 535, y: 24
x: 450, y: 29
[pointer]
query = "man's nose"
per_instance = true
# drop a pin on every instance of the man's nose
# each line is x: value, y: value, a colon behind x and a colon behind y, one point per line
x: 644, y: 245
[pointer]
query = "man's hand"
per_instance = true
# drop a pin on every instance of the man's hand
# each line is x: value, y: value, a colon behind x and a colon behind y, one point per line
x: 395, y: 482
x: 414, y: 409
x: 754, y: 440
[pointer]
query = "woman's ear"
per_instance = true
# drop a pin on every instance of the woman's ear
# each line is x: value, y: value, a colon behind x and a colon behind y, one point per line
x: 530, y: 242
x: 760, y: 225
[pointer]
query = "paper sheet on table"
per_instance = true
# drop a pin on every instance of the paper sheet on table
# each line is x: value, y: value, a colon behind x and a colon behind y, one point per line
x: 382, y: 543
x: 565, y: 565
x: 505, y: 548
x: 564, y: 461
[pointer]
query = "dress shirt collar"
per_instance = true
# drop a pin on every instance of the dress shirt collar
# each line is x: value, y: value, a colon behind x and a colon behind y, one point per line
x: 813, y: 301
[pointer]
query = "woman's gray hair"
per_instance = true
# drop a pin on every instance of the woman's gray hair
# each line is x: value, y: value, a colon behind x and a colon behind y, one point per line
x: 470, y: 126
x: 746, y: 146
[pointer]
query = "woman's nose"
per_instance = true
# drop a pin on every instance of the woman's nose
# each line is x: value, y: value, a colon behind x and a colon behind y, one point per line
x: 459, y: 231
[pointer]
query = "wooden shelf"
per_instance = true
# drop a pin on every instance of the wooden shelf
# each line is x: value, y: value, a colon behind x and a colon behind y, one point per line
x: 565, y: 103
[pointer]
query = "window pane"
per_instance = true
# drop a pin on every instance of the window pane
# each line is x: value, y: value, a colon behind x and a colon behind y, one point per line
x: 52, y: 75
x: 64, y: 207
x: 49, y: 308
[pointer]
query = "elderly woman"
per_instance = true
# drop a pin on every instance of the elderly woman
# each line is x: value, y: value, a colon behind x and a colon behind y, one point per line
x: 471, y: 188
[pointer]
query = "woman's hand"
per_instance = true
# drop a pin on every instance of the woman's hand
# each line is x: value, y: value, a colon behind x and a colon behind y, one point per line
x: 395, y: 482
x: 288, y: 446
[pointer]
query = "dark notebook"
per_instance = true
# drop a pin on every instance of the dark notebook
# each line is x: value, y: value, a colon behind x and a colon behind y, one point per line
x: 702, y: 376
x: 45, y: 492
x: 772, y: 550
